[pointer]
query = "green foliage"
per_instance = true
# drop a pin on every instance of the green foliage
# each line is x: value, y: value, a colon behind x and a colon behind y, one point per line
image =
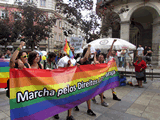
x: 30, y: 24
x: 35, y: 24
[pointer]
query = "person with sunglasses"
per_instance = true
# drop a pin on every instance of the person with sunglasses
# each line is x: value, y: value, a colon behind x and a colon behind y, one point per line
x: 19, y: 58
x: 34, y: 60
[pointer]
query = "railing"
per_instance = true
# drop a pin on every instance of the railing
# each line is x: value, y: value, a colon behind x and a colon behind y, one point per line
x: 150, y: 73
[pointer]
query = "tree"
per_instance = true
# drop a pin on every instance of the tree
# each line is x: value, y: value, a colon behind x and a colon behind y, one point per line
x: 72, y: 12
x: 5, y: 28
x: 89, y: 25
x: 33, y: 26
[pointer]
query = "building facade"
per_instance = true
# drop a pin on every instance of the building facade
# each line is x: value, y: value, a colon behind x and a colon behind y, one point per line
x: 140, y: 24
x: 56, y: 40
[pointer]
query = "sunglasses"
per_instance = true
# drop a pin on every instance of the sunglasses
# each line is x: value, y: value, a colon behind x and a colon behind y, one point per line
x: 26, y: 56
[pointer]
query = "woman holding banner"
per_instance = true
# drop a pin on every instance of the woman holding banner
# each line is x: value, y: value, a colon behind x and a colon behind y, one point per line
x: 99, y: 61
x: 111, y: 55
x: 84, y: 61
x: 18, y: 60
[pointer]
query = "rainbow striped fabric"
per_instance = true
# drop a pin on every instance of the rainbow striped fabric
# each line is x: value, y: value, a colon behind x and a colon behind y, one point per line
x: 68, y: 50
x: 4, y: 72
x: 36, y: 94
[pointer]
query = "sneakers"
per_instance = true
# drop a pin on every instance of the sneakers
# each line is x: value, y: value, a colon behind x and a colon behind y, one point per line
x: 76, y: 108
x: 70, y: 118
x: 56, y: 116
x: 90, y: 112
x: 105, y: 104
x: 94, y: 101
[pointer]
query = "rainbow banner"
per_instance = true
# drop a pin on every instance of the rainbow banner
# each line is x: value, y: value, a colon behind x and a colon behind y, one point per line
x: 36, y: 94
x: 4, y: 72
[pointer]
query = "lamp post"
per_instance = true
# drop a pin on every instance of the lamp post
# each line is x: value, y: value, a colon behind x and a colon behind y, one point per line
x: 48, y: 44
x: 49, y: 36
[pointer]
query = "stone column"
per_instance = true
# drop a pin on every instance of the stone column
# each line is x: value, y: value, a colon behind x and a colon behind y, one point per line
x: 156, y: 43
x: 125, y: 29
x: 110, y: 33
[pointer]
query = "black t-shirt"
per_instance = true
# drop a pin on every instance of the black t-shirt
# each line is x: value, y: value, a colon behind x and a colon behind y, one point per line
x: 86, y: 62
x: 145, y: 51
x: 149, y: 54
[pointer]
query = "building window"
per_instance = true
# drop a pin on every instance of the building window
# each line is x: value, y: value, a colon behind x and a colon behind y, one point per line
x: 56, y: 23
x: 60, y: 37
x: 4, y: 0
x: 43, y: 3
x: 60, y: 24
x: 42, y: 18
x: 19, y: 2
x: 4, y: 14
x: 17, y: 16
x: 65, y: 25
x: 55, y: 36
x: 30, y: 1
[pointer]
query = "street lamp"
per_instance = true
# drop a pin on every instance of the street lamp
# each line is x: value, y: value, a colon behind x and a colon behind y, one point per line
x: 50, y: 36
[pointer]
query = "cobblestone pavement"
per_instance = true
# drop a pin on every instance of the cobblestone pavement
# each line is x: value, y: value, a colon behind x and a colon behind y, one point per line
x: 137, y: 104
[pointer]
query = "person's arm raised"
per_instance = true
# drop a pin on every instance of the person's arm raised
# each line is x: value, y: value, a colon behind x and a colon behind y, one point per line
x: 95, y: 59
x: 86, y: 55
x: 110, y: 50
x: 88, y: 52
x: 15, y: 54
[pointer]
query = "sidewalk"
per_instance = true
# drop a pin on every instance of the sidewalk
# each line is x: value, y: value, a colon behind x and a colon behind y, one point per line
x: 137, y: 104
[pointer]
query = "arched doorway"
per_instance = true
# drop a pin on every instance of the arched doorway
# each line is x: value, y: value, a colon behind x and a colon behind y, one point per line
x: 141, y: 27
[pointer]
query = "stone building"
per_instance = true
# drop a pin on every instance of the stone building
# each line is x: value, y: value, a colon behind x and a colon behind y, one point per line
x: 56, y: 40
x: 140, y: 24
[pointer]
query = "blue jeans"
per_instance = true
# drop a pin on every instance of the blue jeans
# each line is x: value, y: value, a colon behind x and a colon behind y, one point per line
x: 119, y: 61
x: 122, y: 61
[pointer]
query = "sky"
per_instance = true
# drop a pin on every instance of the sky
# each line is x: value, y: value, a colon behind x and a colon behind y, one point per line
x: 84, y: 13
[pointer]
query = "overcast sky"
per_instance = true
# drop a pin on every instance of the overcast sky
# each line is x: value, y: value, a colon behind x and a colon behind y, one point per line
x: 84, y: 13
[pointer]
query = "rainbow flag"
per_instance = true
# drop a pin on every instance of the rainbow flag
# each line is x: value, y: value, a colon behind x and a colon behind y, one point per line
x: 36, y: 94
x: 68, y: 50
x: 4, y: 72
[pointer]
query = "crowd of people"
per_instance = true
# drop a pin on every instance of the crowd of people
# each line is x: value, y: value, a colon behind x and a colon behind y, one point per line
x: 21, y: 59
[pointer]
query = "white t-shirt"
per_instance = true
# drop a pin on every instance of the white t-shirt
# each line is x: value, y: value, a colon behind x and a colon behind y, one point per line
x: 63, y: 62
x: 140, y: 50
x: 118, y: 54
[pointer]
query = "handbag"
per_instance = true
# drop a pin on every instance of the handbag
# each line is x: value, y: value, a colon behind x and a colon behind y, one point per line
x: 140, y: 74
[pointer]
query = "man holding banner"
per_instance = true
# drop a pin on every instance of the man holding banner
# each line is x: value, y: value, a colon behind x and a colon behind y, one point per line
x: 67, y: 61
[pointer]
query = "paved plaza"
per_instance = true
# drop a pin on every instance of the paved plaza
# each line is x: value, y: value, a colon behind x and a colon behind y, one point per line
x: 137, y: 104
